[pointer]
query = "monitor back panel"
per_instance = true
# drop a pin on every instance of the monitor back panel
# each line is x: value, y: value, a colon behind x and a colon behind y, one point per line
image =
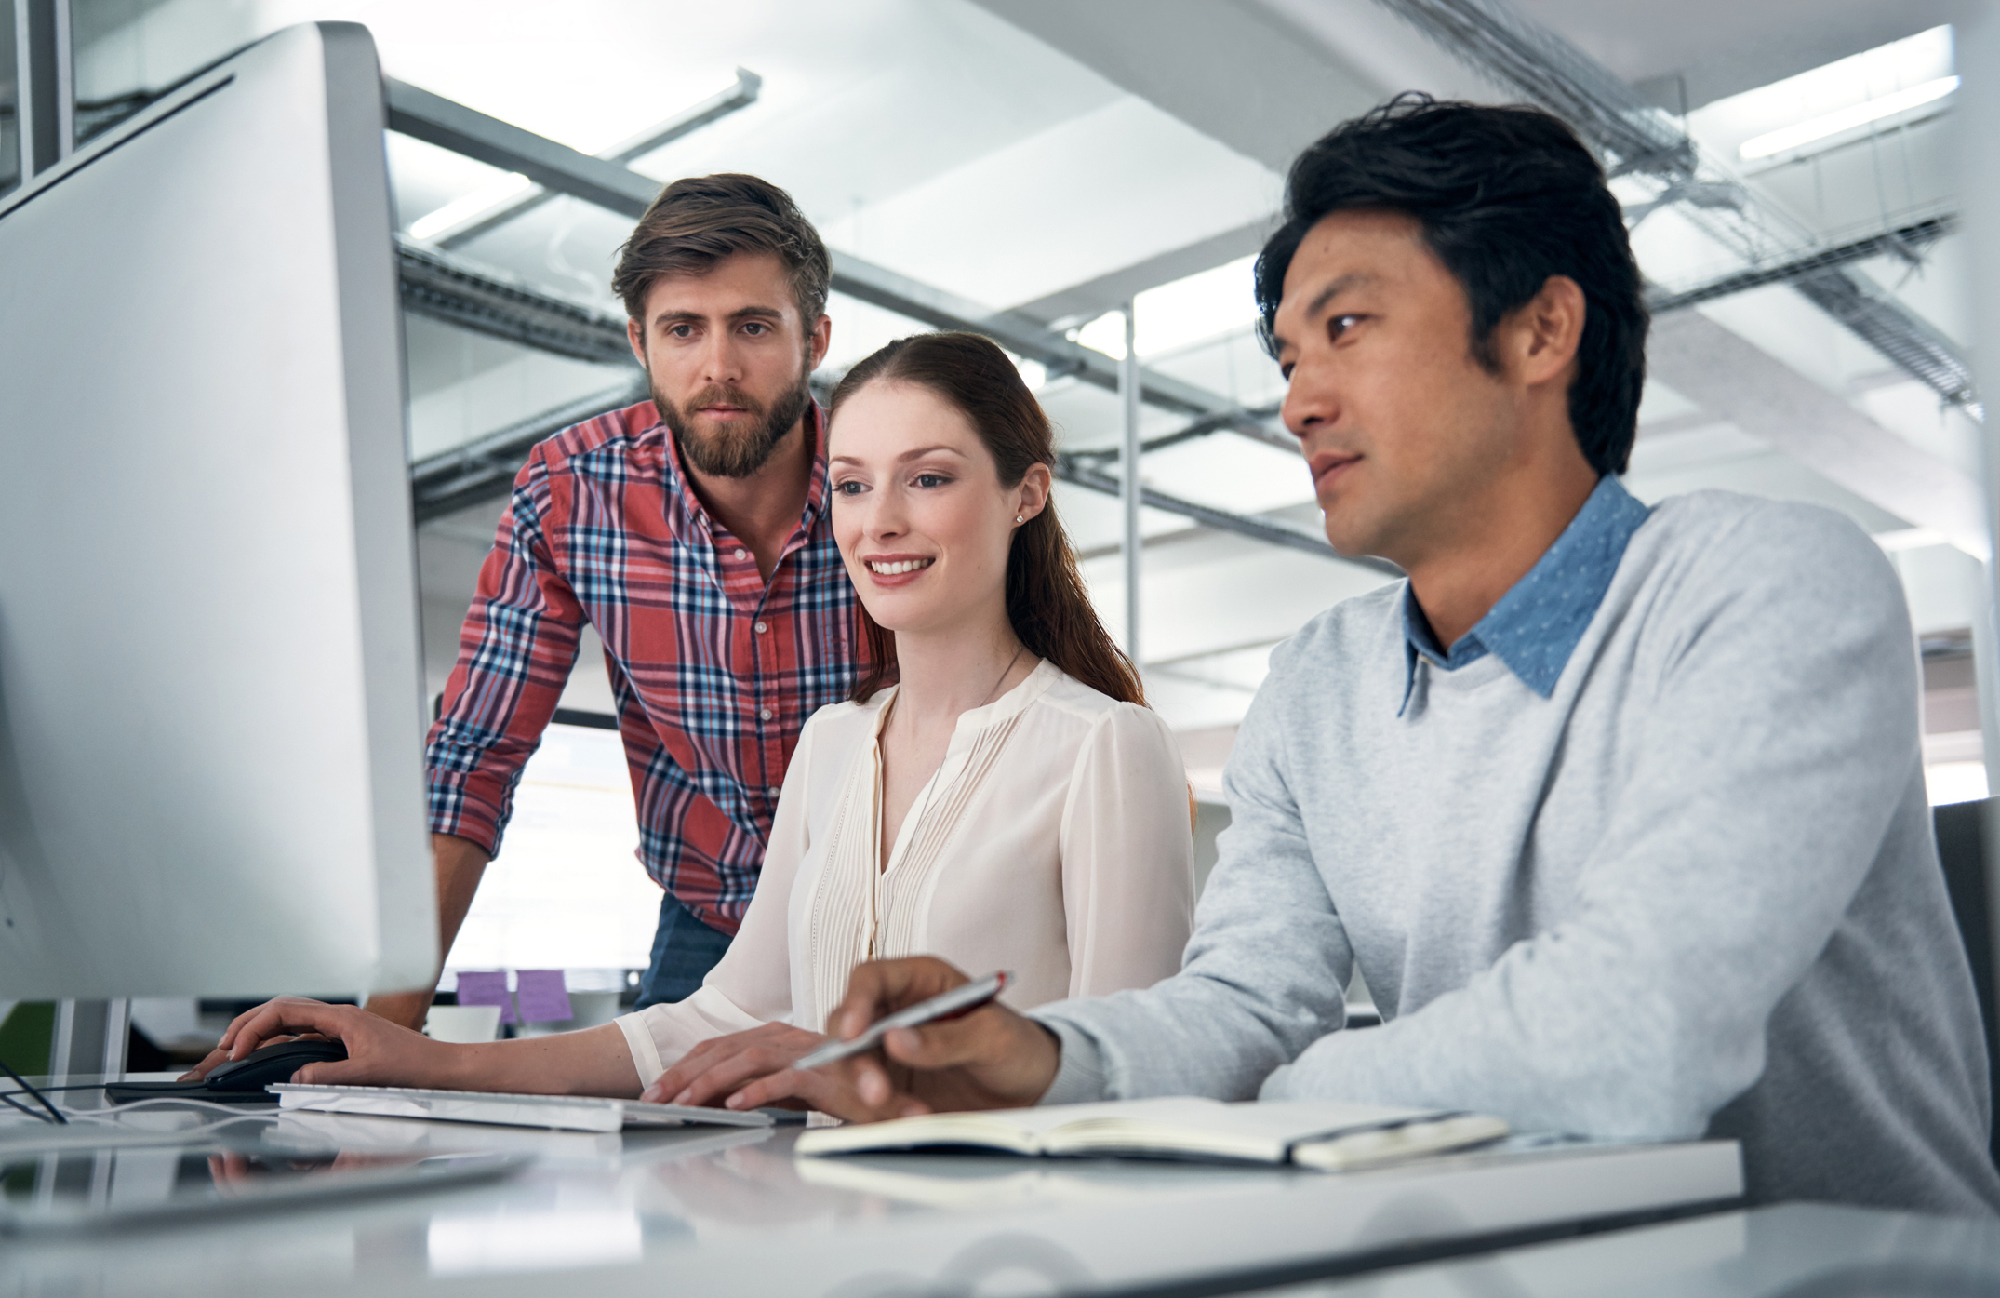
x: 211, y: 707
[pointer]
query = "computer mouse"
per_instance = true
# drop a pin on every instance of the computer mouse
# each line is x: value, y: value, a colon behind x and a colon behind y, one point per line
x: 277, y: 1063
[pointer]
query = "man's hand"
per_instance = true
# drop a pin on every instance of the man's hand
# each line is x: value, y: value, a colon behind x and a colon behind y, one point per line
x: 720, y: 1065
x: 379, y: 1053
x: 459, y: 863
x: 992, y: 1058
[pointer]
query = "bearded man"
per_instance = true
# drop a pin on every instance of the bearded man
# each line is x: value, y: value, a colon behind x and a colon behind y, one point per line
x: 692, y: 532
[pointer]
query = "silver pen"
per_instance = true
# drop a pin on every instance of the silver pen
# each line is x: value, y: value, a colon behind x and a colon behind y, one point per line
x: 949, y: 1005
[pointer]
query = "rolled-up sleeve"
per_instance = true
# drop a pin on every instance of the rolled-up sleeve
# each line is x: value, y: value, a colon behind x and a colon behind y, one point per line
x: 516, y: 648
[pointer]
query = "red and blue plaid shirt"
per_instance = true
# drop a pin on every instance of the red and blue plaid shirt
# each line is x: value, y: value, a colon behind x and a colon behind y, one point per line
x: 714, y: 671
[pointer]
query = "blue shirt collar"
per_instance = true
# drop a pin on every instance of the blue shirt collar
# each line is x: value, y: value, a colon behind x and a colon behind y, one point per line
x: 1536, y: 625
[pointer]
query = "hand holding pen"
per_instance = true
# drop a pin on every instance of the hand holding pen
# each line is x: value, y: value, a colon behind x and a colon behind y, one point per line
x: 953, y: 1004
x: 982, y: 1056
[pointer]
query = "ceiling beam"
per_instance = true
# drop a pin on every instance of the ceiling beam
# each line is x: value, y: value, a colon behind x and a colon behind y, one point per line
x: 487, y: 302
x: 483, y: 469
x: 1733, y: 379
x: 1271, y: 531
x: 1516, y: 50
x: 1904, y: 241
x: 422, y: 115
x: 739, y: 95
x: 1111, y: 290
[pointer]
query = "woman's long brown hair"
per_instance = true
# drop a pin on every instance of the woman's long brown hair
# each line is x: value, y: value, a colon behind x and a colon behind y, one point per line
x: 1046, y: 601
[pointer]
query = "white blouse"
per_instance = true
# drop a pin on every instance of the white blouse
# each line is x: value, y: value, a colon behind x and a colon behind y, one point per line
x: 1053, y: 841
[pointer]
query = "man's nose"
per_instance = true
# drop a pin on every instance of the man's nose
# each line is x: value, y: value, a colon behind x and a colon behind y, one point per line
x: 721, y: 361
x: 1309, y: 405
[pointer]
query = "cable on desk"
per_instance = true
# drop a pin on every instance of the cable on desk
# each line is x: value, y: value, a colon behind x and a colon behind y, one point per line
x: 55, y: 1114
x: 18, y: 1106
x: 235, y: 1111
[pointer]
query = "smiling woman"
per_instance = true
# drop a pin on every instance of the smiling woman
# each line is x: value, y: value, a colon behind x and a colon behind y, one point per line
x: 1009, y: 797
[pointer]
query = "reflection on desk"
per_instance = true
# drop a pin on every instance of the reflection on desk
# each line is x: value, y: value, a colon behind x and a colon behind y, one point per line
x: 706, y: 1212
x: 1788, y: 1251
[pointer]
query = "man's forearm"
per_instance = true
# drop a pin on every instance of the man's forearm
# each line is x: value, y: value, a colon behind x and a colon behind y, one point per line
x: 459, y: 864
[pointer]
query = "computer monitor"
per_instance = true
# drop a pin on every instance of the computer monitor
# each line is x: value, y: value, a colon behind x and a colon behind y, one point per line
x: 211, y: 714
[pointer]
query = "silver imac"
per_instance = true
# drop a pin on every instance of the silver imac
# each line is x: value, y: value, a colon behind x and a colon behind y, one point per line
x: 211, y: 710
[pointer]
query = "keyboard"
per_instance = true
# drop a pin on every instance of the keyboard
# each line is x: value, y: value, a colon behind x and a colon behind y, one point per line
x: 551, y: 1112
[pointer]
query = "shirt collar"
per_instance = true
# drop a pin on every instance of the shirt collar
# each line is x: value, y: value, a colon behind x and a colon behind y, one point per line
x: 690, y: 522
x: 1536, y: 625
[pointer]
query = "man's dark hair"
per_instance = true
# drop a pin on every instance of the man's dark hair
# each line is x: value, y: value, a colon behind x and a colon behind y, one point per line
x: 697, y: 222
x: 1506, y: 197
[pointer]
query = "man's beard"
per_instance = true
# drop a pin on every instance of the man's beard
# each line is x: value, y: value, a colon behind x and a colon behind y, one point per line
x: 741, y: 450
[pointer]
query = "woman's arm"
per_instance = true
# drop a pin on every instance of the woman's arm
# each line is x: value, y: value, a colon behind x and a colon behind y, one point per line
x: 1127, y: 855
x: 380, y: 1053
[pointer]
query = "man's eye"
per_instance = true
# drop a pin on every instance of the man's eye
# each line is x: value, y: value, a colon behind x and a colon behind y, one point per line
x: 1340, y: 324
x: 755, y: 329
x: 680, y: 331
x: 1285, y: 372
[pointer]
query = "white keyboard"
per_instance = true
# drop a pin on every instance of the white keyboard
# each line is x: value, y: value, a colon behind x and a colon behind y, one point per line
x: 553, y: 1112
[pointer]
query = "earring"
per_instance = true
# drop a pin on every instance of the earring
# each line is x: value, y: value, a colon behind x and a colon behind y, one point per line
x: 1019, y: 519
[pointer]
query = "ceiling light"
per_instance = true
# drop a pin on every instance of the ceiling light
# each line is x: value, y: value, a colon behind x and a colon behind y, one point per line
x: 1819, y: 128
x: 473, y: 205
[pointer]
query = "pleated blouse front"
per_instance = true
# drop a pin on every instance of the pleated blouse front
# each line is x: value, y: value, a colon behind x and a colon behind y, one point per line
x: 1053, y: 841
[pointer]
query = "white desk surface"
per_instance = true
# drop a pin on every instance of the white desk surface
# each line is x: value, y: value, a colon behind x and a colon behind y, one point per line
x: 708, y: 1211
x: 1793, y: 1250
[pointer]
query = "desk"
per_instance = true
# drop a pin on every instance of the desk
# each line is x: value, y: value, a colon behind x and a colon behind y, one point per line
x: 1788, y: 1251
x: 707, y: 1211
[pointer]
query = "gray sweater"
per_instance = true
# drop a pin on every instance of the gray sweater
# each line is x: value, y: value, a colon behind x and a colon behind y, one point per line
x: 1692, y: 892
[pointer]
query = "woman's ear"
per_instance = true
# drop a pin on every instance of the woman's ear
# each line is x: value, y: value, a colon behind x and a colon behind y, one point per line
x: 1033, y: 493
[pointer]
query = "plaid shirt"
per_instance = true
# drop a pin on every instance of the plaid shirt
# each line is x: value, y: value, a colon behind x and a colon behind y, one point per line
x: 714, y: 672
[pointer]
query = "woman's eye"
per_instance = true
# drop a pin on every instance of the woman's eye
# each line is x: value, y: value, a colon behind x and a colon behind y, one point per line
x: 848, y: 488
x: 931, y: 480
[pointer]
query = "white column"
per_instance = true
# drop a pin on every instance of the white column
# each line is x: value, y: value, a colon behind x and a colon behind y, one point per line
x: 1128, y: 391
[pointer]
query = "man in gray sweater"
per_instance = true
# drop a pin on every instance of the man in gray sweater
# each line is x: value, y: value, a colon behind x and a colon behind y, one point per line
x: 1619, y: 810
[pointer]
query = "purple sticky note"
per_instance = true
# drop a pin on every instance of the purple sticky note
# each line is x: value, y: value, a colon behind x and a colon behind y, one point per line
x: 544, y: 996
x: 486, y: 987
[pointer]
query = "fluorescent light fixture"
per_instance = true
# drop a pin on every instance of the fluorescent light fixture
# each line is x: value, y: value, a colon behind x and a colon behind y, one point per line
x: 1105, y: 334
x: 1814, y: 129
x: 473, y: 205
x: 1910, y: 538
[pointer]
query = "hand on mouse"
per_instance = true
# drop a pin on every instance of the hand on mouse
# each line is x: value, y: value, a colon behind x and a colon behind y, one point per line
x: 379, y: 1053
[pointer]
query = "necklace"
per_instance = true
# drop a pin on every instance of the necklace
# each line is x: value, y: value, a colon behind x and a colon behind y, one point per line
x: 990, y: 694
x: 897, y: 697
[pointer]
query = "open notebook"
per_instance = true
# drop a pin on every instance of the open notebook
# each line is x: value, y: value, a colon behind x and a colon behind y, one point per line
x: 1331, y: 1137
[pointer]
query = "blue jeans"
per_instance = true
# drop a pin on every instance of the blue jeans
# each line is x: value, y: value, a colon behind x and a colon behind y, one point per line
x: 684, y: 950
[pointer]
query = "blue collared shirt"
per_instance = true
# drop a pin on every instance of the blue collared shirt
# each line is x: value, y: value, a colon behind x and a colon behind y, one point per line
x: 1537, y: 623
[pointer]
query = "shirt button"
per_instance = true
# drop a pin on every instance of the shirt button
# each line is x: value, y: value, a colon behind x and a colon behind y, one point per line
x: 763, y: 714
x: 742, y: 553
x: 761, y: 627
x: 772, y: 791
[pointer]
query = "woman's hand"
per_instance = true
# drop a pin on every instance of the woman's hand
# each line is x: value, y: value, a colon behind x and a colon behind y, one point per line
x: 992, y: 1058
x: 379, y: 1053
x: 716, y: 1068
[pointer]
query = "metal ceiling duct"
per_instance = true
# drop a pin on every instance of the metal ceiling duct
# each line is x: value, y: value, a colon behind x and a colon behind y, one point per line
x: 1636, y: 137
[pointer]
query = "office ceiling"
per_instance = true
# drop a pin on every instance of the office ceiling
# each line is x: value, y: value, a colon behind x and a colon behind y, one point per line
x: 1060, y: 158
